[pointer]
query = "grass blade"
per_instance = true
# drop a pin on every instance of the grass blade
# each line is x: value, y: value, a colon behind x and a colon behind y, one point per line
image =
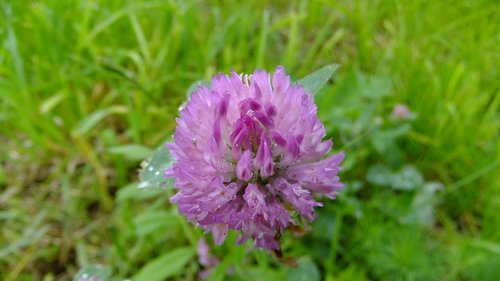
x: 316, y: 80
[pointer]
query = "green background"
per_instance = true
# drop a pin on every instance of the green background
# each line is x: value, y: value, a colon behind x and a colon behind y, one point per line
x: 88, y: 88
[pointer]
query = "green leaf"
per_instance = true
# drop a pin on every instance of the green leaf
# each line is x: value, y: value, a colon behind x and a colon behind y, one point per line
x: 93, y: 272
x: 379, y: 175
x: 134, y: 152
x: 165, y: 266
x: 150, y: 221
x: 305, y: 271
x: 153, y: 173
x: 129, y: 192
x: 87, y: 123
x: 220, y: 270
x: 316, y: 80
x: 423, y: 204
x: 407, y: 178
x: 384, y: 140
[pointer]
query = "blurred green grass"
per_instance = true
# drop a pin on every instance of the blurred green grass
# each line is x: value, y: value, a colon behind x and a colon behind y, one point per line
x: 86, y: 86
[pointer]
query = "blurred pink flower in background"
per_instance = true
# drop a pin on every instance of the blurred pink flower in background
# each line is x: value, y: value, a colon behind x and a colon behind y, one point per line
x: 401, y: 112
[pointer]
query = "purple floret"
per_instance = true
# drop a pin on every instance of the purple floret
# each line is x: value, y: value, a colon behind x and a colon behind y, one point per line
x: 247, y: 151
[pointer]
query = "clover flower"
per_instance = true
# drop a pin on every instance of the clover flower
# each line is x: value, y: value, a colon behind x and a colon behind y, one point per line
x: 249, y: 156
x: 401, y: 112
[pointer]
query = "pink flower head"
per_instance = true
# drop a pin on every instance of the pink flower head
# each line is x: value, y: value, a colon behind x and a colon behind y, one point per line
x: 401, y: 112
x: 247, y: 151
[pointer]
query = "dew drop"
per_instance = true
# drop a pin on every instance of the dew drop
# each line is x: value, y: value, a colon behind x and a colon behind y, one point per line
x: 151, y: 168
x: 143, y: 184
x: 157, y: 173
